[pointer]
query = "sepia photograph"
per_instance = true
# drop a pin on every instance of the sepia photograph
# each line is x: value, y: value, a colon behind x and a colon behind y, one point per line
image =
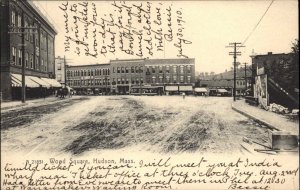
x: 135, y: 95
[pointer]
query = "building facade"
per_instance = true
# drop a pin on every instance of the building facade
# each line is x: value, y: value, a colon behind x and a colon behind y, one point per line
x: 121, y: 76
x: 85, y: 79
x: 32, y: 46
x: 60, y: 70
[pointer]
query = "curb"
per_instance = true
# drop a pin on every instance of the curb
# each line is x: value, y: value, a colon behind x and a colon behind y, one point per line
x: 254, y: 118
x: 10, y: 107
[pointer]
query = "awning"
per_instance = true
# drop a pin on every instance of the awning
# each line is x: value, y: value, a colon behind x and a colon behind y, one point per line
x: 40, y: 81
x: 222, y: 90
x: 52, y: 82
x: 17, y: 78
x: 171, y: 88
x: 200, y: 90
x: 185, y: 88
x: 15, y: 83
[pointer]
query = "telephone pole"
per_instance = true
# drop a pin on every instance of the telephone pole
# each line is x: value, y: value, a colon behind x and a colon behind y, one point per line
x: 22, y: 30
x: 245, y: 78
x: 235, y: 53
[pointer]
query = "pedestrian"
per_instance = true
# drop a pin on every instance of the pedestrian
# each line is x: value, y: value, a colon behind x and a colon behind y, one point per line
x: 183, y: 95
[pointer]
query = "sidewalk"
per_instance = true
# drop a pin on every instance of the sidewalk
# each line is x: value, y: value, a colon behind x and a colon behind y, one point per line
x: 14, y: 104
x: 270, y: 119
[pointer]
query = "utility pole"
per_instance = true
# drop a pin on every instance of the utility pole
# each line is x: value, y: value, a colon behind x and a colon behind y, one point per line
x: 65, y: 70
x: 234, y: 45
x: 22, y: 32
x: 245, y: 78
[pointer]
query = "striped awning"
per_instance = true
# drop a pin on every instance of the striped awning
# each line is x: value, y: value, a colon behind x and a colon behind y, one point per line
x: 40, y: 81
x: 52, y: 82
x: 16, y: 79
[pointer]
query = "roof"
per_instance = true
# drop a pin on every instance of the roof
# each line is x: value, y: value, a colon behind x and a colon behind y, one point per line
x: 170, y: 61
x: 88, y: 65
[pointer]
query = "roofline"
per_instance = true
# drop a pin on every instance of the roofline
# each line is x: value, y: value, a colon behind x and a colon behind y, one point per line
x: 270, y: 54
x: 40, y: 15
x: 98, y: 64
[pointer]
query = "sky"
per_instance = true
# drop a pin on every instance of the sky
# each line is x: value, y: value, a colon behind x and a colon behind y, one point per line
x: 210, y: 26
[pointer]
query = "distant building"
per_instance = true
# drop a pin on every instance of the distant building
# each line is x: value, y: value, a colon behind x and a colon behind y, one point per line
x: 85, y: 79
x: 120, y: 76
x: 227, y: 84
x: 60, y: 70
x: 35, y: 49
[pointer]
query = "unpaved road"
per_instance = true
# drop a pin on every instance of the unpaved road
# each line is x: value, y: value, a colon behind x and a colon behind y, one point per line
x: 166, y: 124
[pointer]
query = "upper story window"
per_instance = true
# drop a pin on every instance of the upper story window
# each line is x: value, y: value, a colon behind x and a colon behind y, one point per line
x: 181, y: 69
x: 19, y: 22
x: 31, y: 61
x: 26, y: 59
x: 14, y: 54
x: 188, y: 69
x: 167, y: 69
x: 13, y: 18
x: 174, y: 69
x: 20, y: 57
x: 118, y: 69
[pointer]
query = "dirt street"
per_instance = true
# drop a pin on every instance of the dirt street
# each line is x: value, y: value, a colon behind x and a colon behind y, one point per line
x: 162, y: 124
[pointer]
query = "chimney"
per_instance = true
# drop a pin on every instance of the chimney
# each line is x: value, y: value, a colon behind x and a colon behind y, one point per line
x: 269, y: 53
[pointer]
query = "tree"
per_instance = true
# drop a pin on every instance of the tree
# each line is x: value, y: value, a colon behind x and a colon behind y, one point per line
x: 295, y: 64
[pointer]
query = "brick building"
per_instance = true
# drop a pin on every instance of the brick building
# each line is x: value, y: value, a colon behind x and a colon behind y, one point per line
x: 121, y: 76
x: 89, y: 78
x: 34, y: 48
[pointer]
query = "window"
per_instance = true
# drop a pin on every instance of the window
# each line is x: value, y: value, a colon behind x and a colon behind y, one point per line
x: 189, y: 79
x: 167, y: 69
x: 153, y: 69
x: 132, y: 69
x: 161, y: 79
x: 13, y: 18
x: 58, y: 66
x: 31, y: 35
x: 42, y: 65
x: 26, y: 59
x: 31, y: 61
x: 36, y: 63
x: 174, y: 69
x: 26, y: 34
x: 126, y: 70
x: 153, y: 79
x: 20, y: 57
x: 181, y: 69
x: 168, y: 79
x: 19, y: 22
x: 181, y: 79
x: 188, y: 69
x: 118, y: 69
x: 122, y: 69
x: 141, y: 69
x: 174, y: 79
x: 160, y: 69
x: 14, y: 58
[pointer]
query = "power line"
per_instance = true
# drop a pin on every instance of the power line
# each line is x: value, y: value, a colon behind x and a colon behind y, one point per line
x: 258, y: 22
